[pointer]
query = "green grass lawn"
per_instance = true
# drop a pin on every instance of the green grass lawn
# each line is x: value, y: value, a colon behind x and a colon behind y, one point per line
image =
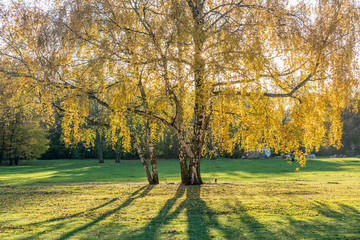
x: 253, y: 199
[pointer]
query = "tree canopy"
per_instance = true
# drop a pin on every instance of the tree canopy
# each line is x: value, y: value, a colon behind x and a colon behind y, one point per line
x: 219, y: 74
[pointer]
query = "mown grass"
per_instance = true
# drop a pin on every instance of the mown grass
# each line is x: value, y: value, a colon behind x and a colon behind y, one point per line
x: 225, y: 170
x: 253, y: 199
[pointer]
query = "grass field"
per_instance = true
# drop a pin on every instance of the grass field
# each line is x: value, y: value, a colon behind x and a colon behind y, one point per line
x: 253, y: 199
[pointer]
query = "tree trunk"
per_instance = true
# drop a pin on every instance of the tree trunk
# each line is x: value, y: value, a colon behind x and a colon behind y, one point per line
x: 12, y: 151
x: 100, y: 147
x: 194, y: 171
x: 150, y: 143
x: 183, y: 166
x: 197, y: 144
x: 153, y: 161
x: 117, y: 152
x: 16, y: 161
x: 100, y: 152
x: 192, y: 174
x: 143, y: 161
x: 201, y: 96
x: 117, y: 156
x: 152, y: 155
x: 2, y: 153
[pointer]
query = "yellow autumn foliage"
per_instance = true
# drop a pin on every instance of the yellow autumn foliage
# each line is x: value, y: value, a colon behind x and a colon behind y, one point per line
x: 220, y: 74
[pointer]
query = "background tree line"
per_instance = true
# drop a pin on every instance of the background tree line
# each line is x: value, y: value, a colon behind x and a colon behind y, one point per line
x: 24, y: 139
x: 166, y: 149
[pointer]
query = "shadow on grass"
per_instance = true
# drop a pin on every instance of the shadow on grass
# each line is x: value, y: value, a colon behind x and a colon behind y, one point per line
x: 341, y: 222
x: 201, y: 219
x: 336, y: 221
x: 232, y: 220
x: 80, y: 213
x: 140, y: 193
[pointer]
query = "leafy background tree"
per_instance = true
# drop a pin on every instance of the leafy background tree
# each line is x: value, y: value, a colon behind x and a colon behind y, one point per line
x: 350, y: 136
x: 22, y: 133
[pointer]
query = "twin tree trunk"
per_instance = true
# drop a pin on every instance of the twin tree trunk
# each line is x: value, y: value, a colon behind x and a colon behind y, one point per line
x: 190, y: 174
x: 190, y: 153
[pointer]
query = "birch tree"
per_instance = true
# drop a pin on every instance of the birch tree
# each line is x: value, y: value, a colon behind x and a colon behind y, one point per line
x: 251, y: 73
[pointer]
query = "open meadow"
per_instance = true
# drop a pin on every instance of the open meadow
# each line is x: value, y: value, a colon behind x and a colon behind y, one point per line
x: 252, y: 199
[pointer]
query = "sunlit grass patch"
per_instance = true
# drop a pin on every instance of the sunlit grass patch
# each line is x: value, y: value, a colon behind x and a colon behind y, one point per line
x: 222, y: 211
x: 327, y: 170
x: 249, y: 202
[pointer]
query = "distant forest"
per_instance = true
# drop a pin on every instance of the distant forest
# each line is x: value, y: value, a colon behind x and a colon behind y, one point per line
x: 167, y: 149
x: 24, y: 138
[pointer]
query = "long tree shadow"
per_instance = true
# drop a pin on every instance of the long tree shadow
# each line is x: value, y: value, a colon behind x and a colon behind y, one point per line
x: 80, y: 213
x: 60, y: 224
x: 201, y: 219
x: 72, y: 215
x: 137, y: 194
x: 249, y: 226
x: 140, y: 193
x: 338, y: 221
x: 151, y: 230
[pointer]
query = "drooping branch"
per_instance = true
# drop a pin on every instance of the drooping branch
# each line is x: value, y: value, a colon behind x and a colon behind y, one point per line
x: 291, y: 93
x: 99, y: 101
x: 269, y: 94
x: 132, y: 110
